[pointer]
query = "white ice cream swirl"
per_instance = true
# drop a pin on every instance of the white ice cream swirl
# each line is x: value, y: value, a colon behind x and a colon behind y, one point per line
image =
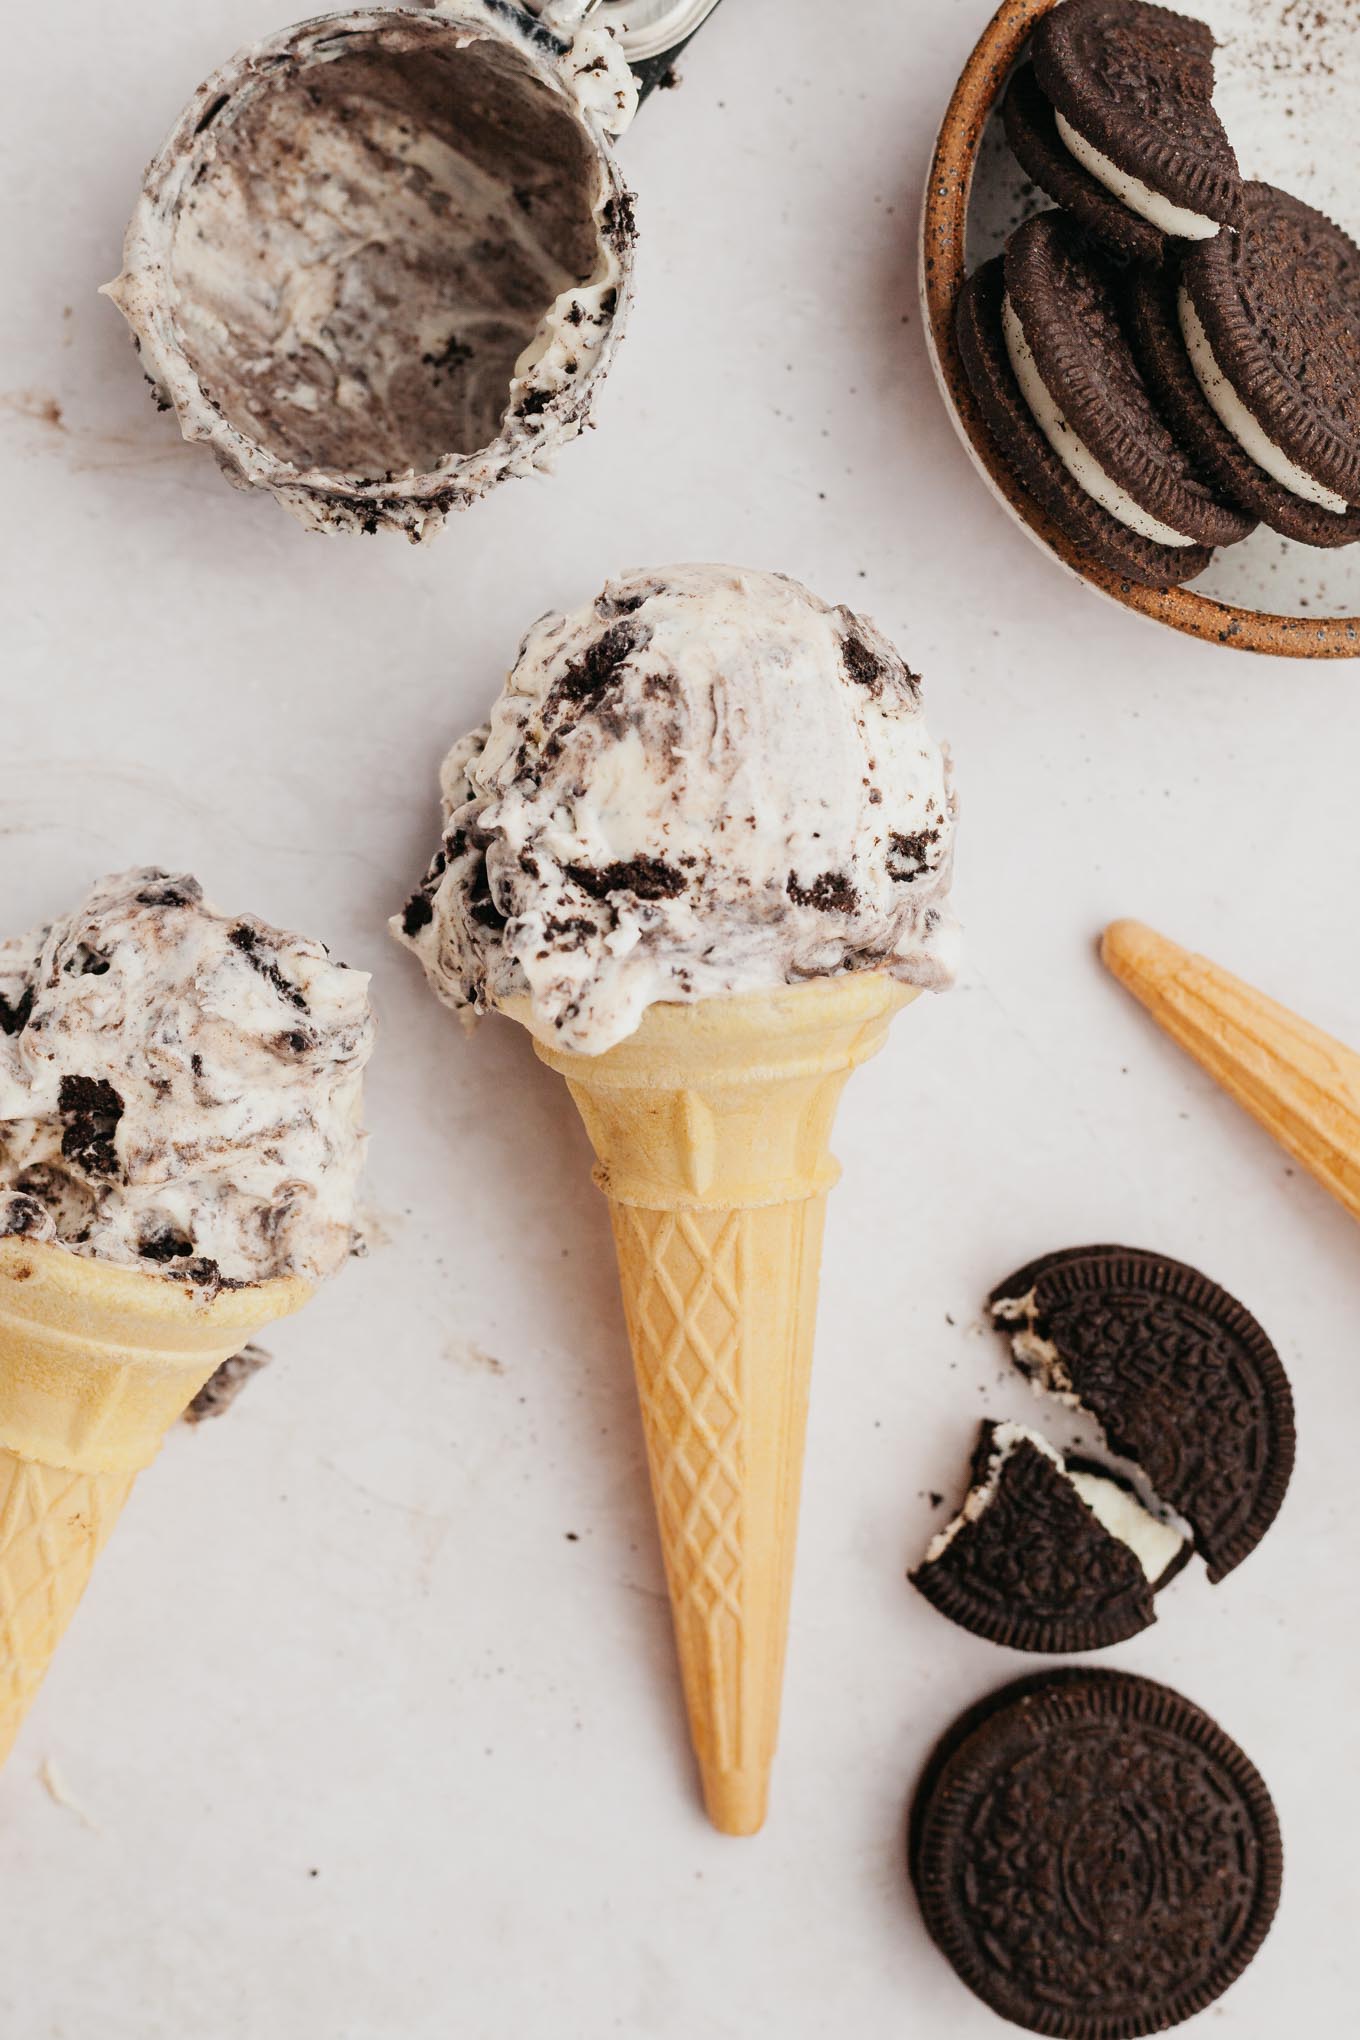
x: 180, y: 1088
x: 704, y: 782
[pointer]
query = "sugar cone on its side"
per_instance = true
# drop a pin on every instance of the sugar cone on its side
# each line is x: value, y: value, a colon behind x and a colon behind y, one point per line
x: 1301, y: 1084
x: 96, y: 1363
x: 712, y: 1127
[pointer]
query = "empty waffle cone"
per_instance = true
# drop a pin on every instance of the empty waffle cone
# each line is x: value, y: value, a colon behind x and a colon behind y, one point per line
x: 1301, y: 1084
x: 96, y: 1363
x: 712, y: 1126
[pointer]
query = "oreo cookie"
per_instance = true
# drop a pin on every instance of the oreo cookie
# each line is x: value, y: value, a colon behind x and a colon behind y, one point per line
x: 1078, y: 374
x: 1131, y: 87
x: 1154, y: 327
x: 1094, y: 1856
x: 1046, y: 1554
x: 1101, y: 537
x: 1032, y: 131
x: 1271, y: 319
x: 1182, y: 1379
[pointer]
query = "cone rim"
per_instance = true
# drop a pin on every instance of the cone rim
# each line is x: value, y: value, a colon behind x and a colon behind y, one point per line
x: 672, y: 1027
x: 36, y: 1270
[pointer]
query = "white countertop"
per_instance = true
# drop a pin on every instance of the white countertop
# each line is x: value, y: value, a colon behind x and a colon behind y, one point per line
x: 371, y: 1708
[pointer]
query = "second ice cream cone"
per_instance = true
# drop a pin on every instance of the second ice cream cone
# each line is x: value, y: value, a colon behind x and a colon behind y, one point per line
x: 712, y: 1127
x: 1301, y: 1084
x: 96, y: 1363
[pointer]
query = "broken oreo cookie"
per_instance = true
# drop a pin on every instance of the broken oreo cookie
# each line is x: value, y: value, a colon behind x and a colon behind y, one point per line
x: 1181, y: 1378
x: 1047, y: 1554
x: 1131, y: 87
x: 1094, y: 1856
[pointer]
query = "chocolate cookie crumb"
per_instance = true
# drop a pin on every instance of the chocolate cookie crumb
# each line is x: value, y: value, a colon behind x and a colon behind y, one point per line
x: 912, y: 851
x: 649, y: 877
x: 619, y: 220
x: 862, y: 664
x: 599, y: 667
x: 184, y: 892
x: 14, y: 1018
x: 449, y: 357
x: 244, y: 938
x: 417, y: 914
x: 569, y: 928
x: 166, y: 1245
x: 92, y: 1110
x: 832, y: 893
x: 221, y: 1389
x: 21, y: 1215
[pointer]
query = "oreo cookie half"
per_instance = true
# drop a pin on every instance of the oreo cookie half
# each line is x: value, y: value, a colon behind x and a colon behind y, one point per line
x: 982, y: 348
x: 1154, y: 327
x: 1181, y: 1378
x: 1077, y: 371
x: 1271, y: 319
x: 1131, y: 87
x: 1094, y: 1856
x: 1045, y: 1554
x: 1032, y: 131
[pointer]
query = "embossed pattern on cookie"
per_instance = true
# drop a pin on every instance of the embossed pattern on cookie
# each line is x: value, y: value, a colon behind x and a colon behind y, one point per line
x: 1094, y: 1856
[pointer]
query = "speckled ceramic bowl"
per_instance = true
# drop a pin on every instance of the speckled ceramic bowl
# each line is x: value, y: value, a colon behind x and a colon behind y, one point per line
x: 1288, y: 86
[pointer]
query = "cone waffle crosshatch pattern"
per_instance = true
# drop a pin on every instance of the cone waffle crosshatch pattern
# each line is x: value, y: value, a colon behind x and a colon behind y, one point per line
x: 96, y: 1362
x: 711, y: 1126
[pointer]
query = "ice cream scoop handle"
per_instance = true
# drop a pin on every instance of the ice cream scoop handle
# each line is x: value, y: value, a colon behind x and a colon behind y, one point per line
x: 563, y: 17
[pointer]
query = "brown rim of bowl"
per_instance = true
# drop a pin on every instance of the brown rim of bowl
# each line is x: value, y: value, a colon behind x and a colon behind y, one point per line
x: 944, y: 222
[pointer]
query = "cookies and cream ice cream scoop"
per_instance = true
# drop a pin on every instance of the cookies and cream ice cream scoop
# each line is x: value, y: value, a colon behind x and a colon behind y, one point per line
x: 180, y: 1088
x: 701, y: 852
x: 703, y: 783
x: 179, y: 1156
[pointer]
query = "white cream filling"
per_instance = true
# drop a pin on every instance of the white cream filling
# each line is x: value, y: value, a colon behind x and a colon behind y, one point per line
x: 1132, y: 192
x: 1251, y: 436
x: 1153, y: 1542
x: 1076, y: 457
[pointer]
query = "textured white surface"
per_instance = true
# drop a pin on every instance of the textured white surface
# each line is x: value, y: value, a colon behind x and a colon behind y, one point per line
x: 346, y: 1629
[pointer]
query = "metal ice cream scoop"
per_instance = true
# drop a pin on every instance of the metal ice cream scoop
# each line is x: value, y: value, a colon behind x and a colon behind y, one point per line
x: 651, y: 33
x: 384, y: 259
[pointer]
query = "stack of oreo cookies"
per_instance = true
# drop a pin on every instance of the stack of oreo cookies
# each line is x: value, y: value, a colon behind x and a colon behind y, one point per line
x: 1172, y: 356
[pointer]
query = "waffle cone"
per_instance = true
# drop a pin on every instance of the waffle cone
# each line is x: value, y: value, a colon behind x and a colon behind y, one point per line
x: 1301, y: 1084
x: 712, y: 1126
x: 96, y: 1363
